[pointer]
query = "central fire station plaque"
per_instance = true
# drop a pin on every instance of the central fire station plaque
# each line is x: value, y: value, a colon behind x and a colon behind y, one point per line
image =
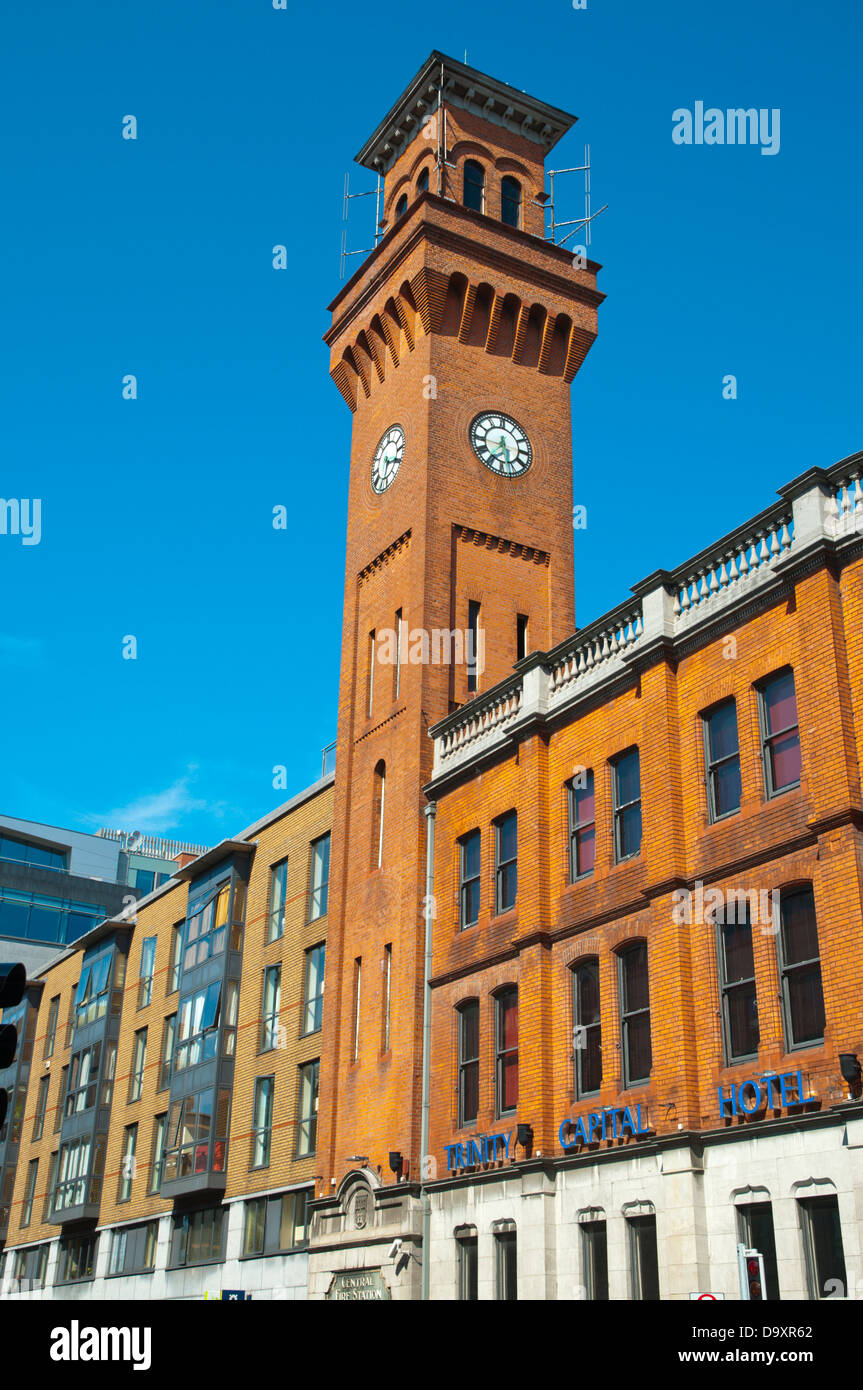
x: 358, y: 1284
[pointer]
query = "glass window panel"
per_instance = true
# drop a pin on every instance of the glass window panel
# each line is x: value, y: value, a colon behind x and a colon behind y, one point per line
x: 253, y: 1232
x: 780, y: 703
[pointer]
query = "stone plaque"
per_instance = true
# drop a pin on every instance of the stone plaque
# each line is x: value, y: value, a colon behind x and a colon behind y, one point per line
x: 358, y: 1284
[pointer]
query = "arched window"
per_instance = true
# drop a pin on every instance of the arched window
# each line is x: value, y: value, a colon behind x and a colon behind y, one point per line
x: 402, y: 206
x: 423, y: 181
x: 378, y: 814
x: 474, y: 185
x: 587, y: 1028
x: 510, y: 201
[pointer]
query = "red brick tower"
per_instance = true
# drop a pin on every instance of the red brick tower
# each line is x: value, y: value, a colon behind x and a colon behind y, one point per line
x: 454, y: 345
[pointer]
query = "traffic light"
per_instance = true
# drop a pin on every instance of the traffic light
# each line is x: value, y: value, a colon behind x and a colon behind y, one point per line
x: 751, y: 1264
x: 13, y: 982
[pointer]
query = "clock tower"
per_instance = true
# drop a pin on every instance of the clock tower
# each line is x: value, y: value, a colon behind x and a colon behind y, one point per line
x: 454, y: 346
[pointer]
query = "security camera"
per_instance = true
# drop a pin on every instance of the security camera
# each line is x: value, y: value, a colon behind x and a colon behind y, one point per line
x: 394, y: 1249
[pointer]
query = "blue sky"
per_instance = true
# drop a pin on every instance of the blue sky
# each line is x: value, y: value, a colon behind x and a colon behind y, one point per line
x: 153, y: 257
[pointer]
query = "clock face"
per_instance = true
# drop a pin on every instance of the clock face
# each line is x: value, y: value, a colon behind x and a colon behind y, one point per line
x: 501, y: 444
x: 388, y: 458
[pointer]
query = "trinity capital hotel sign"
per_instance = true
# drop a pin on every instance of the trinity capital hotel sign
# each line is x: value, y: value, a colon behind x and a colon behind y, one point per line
x: 436, y: 1026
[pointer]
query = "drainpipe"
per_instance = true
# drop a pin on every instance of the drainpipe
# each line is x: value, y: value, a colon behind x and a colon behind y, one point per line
x: 425, y: 1201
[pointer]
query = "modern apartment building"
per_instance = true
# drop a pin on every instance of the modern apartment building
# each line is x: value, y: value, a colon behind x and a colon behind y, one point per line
x: 56, y: 884
x: 167, y: 1145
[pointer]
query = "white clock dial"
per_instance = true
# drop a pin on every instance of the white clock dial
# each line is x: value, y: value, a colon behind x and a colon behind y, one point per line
x: 388, y: 458
x: 501, y: 444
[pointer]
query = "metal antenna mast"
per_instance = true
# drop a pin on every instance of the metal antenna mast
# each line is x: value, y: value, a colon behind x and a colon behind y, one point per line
x: 574, y: 222
x: 345, y: 209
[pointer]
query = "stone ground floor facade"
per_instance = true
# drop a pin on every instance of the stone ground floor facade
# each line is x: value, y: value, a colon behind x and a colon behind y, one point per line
x: 282, y: 1277
x: 797, y: 1183
x: 653, y: 1218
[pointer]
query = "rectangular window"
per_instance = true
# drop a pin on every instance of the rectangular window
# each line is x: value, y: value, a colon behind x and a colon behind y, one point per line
x: 388, y: 994
x: 83, y: 1079
x: 635, y: 1014
x: 278, y: 899
x: 397, y: 682
x: 61, y: 1099
x: 320, y: 877
x: 506, y: 1266
x: 313, y: 994
x: 133, y: 1249
x: 780, y: 735
x: 73, y: 1174
x: 197, y: 1237
x: 469, y: 879
x: 91, y: 998
x: 582, y: 825
x: 756, y: 1231
x: 148, y: 965
x: 307, y: 1125
x: 722, y: 760
x: 109, y: 1063
x: 468, y: 1062
x: 41, y: 1106
x: 737, y: 984
x: 52, y: 1181
x: 506, y: 861
x: 594, y: 1255
x: 626, y: 778
x: 157, y: 1154
x: 272, y: 1003
x: 30, y: 1269
x: 293, y: 1219
x: 472, y: 647
x: 176, y: 957
x: 520, y: 636
x: 207, y: 927
x: 77, y: 1259
x: 358, y: 988
x: 275, y: 1223
x: 643, y: 1264
x: 29, y: 1192
x: 466, y: 1247
x: 262, y: 1121
x: 254, y: 1226
x: 800, y: 970
x: 50, y: 1036
x: 192, y: 1131
x: 139, y: 1062
x: 198, y: 1030
x: 127, y: 1163
x: 371, y: 672
x: 169, y: 1034
x: 16, y: 851
x: 822, y: 1241
x: 70, y: 1019
x: 506, y: 1059
x: 587, y: 1029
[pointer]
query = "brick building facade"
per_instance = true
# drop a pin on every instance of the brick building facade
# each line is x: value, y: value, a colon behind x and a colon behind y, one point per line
x: 593, y: 918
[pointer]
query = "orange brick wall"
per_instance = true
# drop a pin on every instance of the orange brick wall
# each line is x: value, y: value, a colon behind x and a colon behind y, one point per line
x: 808, y: 835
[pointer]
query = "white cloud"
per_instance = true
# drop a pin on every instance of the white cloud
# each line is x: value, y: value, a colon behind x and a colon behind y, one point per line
x: 157, y: 812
